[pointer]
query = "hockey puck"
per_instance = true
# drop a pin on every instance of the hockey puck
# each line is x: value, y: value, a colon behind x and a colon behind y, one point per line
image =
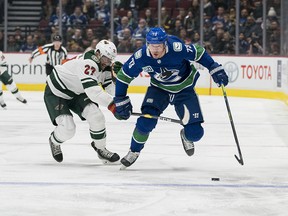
x: 215, y: 179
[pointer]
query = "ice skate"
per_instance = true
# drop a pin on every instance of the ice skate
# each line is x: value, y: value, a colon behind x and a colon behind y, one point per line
x: 22, y: 100
x: 129, y: 159
x: 188, y: 145
x: 105, y: 155
x: 56, y: 151
x: 3, y: 105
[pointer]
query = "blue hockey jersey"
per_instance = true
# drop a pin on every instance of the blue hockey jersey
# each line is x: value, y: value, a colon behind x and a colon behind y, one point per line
x: 173, y: 72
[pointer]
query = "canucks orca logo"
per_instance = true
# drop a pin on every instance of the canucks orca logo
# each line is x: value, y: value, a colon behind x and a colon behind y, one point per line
x: 167, y: 75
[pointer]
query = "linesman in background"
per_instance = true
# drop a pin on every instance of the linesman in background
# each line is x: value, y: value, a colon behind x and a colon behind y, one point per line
x: 56, y: 53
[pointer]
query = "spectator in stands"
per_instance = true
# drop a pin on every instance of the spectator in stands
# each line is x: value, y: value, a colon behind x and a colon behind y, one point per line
x: 141, y: 30
x: 208, y: 47
x: 217, y: 41
x: 220, y: 15
x: 191, y: 23
x: 271, y: 16
x: 103, y: 13
x: 89, y: 9
x: 125, y: 42
x: 257, y: 9
x: 93, y: 44
x: 137, y: 44
x: 12, y: 46
x: 29, y: 45
x: 208, y: 32
x: 243, y: 44
x: 229, y: 47
x: 255, y: 47
x: 208, y: 9
x: 176, y: 30
x: 181, y: 16
x: 249, y: 27
x: 165, y: 19
x: 55, y: 19
x: 124, y: 25
x: 149, y: 17
x: 78, y: 19
x: 276, y: 4
x: 76, y: 42
x: 243, y: 16
x: 131, y: 19
x: 196, y: 38
x: 18, y: 36
x: 88, y: 37
x: 38, y: 38
x: 184, y: 37
x: 195, y: 9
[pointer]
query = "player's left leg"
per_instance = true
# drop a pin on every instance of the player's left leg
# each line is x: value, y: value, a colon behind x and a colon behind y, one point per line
x: 188, y: 109
x: 96, y: 121
x: 11, y: 86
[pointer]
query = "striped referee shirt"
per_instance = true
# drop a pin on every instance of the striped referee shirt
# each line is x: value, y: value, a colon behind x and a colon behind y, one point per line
x: 54, y: 57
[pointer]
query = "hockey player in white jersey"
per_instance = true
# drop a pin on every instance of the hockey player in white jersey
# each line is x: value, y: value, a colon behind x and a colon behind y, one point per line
x: 7, y: 80
x: 82, y: 85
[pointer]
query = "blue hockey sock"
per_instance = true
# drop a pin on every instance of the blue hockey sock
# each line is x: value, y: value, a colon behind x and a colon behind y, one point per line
x: 138, y: 140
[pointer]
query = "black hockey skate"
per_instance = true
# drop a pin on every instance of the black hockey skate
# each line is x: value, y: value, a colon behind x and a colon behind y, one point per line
x: 129, y: 159
x: 22, y: 100
x: 56, y: 151
x: 187, y: 145
x: 105, y: 155
x: 3, y: 105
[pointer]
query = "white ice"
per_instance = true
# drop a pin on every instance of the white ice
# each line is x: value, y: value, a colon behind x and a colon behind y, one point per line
x: 163, y: 181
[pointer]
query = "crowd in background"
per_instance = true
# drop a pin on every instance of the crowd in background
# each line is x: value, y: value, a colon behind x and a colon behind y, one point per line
x: 85, y: 22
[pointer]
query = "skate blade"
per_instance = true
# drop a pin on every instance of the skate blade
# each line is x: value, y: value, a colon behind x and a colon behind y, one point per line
x: 123, y: 167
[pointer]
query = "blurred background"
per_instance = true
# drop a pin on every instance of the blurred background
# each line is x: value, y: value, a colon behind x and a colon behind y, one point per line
x: 241, y: 27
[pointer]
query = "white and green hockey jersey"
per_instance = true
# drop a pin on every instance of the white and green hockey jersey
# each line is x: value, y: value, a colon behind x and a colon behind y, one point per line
x: 82, y: 74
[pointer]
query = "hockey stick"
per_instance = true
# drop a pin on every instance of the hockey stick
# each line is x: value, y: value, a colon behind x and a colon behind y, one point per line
x: 240, y: 159
x: 158, y: 117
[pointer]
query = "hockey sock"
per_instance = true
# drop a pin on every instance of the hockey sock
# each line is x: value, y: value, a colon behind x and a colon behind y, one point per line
x: 15, y: 91
x: 138, y: 140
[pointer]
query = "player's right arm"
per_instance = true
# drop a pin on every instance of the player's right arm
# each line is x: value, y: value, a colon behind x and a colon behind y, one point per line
x: 88, y: 75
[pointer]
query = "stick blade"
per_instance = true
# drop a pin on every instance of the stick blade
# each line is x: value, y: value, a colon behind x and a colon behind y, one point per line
x: 239, y: 160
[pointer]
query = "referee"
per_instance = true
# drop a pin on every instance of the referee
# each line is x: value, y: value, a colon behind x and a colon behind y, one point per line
x: 56, y: 53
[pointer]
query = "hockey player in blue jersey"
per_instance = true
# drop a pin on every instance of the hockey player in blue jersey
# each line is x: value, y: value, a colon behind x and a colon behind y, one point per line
x: 173, y: 77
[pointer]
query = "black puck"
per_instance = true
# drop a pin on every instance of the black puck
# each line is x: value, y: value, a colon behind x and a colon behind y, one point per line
x: 215, y: 179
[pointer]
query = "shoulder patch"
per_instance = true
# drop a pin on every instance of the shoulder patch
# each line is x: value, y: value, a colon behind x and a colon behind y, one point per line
x: 138, y: 54
x: 177, y: 46
x: 93, y: 57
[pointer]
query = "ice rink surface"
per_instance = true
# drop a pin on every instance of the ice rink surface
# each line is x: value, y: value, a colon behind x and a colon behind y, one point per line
x: 163, y: 181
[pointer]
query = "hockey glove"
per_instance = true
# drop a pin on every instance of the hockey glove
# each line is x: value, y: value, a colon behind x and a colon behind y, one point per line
x: 112, y: 108
x: 123, y: 107
x: 117, y: 67
x: 218, y: 74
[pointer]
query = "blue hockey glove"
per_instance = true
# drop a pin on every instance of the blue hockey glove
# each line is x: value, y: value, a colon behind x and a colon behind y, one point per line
x: 123, y: 108
x: 218, y: 74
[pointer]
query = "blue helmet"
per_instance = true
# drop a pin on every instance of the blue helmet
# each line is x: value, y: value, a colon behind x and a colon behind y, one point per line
x: 156, y: 36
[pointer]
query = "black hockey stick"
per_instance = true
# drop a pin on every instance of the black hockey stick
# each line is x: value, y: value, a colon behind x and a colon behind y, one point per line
x: 158, y: 117
x: 240, y: 159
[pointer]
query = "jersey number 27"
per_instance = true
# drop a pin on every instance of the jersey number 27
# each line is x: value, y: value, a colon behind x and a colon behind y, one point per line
x: 89, y: 70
